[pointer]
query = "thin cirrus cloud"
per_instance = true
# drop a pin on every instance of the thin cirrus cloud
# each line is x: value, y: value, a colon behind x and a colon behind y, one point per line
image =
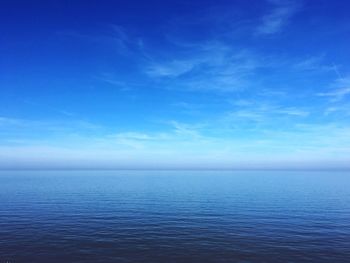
x: 121, y: 150
x: 341, y: 89
x: 211, y: 66
x: 278, y: 16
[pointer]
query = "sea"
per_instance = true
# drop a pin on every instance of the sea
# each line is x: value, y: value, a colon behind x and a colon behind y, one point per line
x: 174, y: 216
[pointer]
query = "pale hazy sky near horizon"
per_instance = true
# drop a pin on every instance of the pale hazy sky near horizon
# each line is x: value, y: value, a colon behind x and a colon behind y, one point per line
x: 174, y: 84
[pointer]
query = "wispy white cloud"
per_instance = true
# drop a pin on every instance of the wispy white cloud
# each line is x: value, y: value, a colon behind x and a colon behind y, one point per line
x: 336, y: 94
x: 5, y: 121
x: 278, y: 16
x: 189, y: 131
x: 116, y: 37
x: 45, y: 106
x: 173, y: 68
x: 111, y: 79
x: 213, y: 143
x: 264, y: 113
x: 19, y: 130
x: 211, y: 66
x: 340, y: 109
x: 341, y: 90
x: 313, y: 63
x: 293, y: 112
x: 178, y: 148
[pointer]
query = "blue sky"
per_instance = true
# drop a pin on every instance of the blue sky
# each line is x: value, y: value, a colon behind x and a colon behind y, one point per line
x: 174, y: 84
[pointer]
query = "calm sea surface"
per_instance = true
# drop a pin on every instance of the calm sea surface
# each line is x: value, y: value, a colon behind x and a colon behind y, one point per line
x: 177, y: 216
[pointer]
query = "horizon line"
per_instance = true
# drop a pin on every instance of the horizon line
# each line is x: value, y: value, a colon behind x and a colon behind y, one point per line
x: 180, y: 169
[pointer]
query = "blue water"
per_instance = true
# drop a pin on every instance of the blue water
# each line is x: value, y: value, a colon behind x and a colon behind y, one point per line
x: 178, y: 216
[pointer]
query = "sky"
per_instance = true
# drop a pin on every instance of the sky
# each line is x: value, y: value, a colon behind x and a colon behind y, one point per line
x: 174, y: 84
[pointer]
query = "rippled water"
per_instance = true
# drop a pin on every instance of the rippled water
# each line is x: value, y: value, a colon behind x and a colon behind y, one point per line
x: 182, y: 216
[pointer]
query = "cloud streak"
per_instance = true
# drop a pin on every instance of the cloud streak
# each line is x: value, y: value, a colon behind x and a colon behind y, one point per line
x: 341, y: 90
x: 277, y: 17
x: 211, y: 66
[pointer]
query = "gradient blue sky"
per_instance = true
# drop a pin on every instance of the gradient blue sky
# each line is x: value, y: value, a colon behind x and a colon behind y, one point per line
x: 174, y: 84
